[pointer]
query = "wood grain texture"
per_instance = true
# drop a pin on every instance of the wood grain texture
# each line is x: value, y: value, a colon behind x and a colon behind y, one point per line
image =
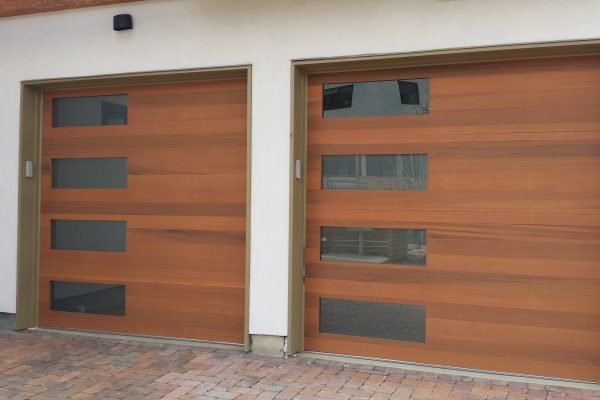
x: 185, y: 207
x: 512, y: 213
x: 11, y: 8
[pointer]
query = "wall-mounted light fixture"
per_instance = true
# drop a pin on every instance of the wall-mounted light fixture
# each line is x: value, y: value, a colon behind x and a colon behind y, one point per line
x: 122, y: 22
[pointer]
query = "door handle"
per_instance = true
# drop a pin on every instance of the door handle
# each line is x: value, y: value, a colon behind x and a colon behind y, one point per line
x: 28, y: 169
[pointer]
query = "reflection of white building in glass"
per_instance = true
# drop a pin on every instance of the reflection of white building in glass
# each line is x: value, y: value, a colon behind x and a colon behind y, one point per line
x: 364, y: 99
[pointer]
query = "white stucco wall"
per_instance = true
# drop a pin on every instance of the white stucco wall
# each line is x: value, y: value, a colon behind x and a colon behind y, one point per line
x: 176, y: 34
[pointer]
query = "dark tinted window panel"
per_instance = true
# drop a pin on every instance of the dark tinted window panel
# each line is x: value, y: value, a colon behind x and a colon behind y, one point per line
x: 89, y: 173
x: 89, y: 235
x: 376, y: 98
x: 92, y: 298
x: 374, y: 245
x: 375, y: 172
x: 90, y: 111
x: 374, y: 320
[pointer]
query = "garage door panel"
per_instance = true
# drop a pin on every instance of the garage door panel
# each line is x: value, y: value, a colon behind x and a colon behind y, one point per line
x: 210, y: 311
x: 143, y: 129
x: 473, y: 334
x: 157, y: 266
x: 544, y: 176
x: 586, y: 340
x: 547, y: 297
x: 461, y: 262
x: 524, y: 207
x: 226, y: 144
x: 221, y: 332
x: 181, y: 272
x: 405, y: 275
x: 474, y: 360
x: 465, y: 151
x: 566, y: 133
x: 509, y: 316
x: 161, y: 191
x: 474, y: 117
x: 225, y: 223
x: 191, y: 97
x: 471, y: 349
x: 108, y: 210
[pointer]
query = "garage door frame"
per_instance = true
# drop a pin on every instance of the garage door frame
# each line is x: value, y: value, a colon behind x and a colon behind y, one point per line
x: 30, y: 150
x: 300, y: 71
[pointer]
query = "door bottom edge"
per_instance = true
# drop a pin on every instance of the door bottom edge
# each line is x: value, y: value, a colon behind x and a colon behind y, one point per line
x: 140, y: 338
x: 449, y: 370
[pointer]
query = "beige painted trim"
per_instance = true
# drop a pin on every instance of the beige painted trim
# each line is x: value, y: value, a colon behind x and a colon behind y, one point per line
x: 29, y: 188
x: 29, y: 209
x: 450, y: 56
x: 295, y: 342
x: 301, y: 69
x: 247, y: 339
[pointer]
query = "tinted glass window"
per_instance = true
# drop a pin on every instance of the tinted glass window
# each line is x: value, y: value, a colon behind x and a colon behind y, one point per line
x: 338, y: 97
x: 89, y: 111
x: 375, y: 320
x: 376, y: 98
x: 375, y: 172
x: 89, y: 235
x: 89, y: 173
x: 374, y: 245
x: 90, y: 298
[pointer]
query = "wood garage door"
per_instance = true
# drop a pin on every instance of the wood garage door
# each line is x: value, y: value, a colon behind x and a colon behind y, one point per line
x: 453, y: 216
x: 143, y: 210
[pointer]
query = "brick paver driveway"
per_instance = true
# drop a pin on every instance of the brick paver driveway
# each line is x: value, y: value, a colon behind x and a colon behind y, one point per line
x: 42, y: 365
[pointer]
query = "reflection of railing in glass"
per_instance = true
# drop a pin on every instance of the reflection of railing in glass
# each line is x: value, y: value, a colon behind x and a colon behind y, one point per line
x: 375, y: 172
x: 374, y: 245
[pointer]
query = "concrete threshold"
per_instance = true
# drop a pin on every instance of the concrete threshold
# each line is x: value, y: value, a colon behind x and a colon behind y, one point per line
x: 143, y: 338
x: 458, y: 372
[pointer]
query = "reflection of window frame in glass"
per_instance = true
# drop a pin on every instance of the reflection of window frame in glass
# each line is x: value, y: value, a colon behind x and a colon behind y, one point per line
x: 396, y: 249
x: 362, y: 180
x: 408, y: 94
x: 338, y: 97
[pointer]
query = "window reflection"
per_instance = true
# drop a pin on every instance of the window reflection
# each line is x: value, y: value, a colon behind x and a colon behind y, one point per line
x: 92, y: 298
x: 89, y: 173
x: 376, y: 98
x: 372, y: 319
x: 375, y: 172
x: 89, y: 235
x: 374, y: 245
x: 89, y: 111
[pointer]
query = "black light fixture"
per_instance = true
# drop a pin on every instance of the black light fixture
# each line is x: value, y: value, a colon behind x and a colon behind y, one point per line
x: 122, y: 22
